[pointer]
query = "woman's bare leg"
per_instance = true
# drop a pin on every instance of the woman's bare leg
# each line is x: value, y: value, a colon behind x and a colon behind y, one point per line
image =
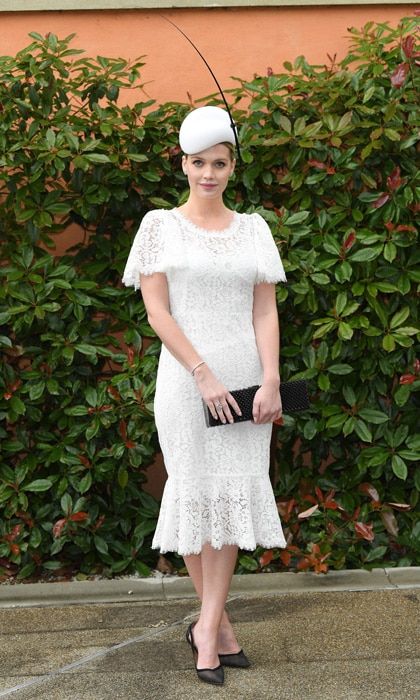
x: 227, y: 643
x: 217, y: 567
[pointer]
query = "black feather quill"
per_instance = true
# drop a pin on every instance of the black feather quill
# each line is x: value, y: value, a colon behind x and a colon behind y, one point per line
x: 232, y: 123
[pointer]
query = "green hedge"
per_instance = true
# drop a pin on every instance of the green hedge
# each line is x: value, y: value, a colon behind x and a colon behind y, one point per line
x: 329, y: 160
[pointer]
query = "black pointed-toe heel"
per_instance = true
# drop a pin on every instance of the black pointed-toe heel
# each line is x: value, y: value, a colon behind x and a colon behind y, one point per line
x: 215, y: 676
x: 238, y: 660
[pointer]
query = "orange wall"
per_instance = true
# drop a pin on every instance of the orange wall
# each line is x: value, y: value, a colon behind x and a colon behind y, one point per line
x: 236, y: 41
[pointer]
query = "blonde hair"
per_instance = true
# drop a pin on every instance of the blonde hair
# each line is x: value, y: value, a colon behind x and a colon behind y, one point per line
x: 229, y: 146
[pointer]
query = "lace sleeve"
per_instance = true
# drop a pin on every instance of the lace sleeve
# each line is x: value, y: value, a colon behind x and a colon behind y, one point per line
x: 269, y: 264
x: 147, y: 251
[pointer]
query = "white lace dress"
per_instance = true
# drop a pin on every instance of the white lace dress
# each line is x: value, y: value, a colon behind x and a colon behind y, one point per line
x: 218, y: 488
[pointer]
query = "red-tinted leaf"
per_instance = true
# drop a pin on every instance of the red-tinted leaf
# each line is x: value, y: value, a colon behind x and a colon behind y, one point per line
x: 307, y: 513
x: 416, y: 366
x: 100, y: 521
x: 7, y: 396
x: 407, y: 378
x: 16, y: 530
x: 123, y: 429
x: 365, y: 487
x: 331, y: 170
x: 25, y: 517
x: 403, y: 227
x: 164, y: 565
x: 317, y: 164
x: 130, y: 356
x: 349, y: 241
x: 330, y: 504
x: 399, y: 506
x: 279, y: 421
x: 389, y: 225
x: 84, y: 460
x: 14, y: 548
x: 303, y: 564
x: 399, y: 75
x: 390, y: 522
x: 58, y: 527
x: 319, y: 493
x: 309, y: 497
x: 285, y: 557
x: 382, y: 199
x: 113, y: 391
x: 130, y: 444
x: 408, y: 46
x: 269, y: 72
x: 266, y: 558
x: 364, y: 531
x: 78, y: 517
x: 394, y: 180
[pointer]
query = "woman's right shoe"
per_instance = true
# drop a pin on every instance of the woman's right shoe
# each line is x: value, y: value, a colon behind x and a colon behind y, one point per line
x: 215, y: 676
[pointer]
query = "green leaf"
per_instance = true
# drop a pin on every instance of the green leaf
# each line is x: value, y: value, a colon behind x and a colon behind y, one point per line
x: 85, y: 483
x: 100, y: 544
x: 96, y: 157
x: 17, y: 405
x: 38, y: 485
x: 399, y: 467
x: 36, y: 390
x: 364, y: 255
x: 324, y: 382
x: 336, y: 421
x: 388, y: 343
x: 390, y: 251
x: 345, y: 332
x: 392, y: 134
x: 66, y: 503
x: 340, y: 302
x: 297, y: 218
x: 248, y: 562
x: 376, y: 553
x: 373, y: 416
x: 349, y: 395
x: 340, y: 369
x: 399, y: 317
x: 363, y: 431
x: 137, y: 157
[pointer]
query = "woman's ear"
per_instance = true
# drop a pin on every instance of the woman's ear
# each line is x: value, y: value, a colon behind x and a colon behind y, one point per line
x: 184, y: 165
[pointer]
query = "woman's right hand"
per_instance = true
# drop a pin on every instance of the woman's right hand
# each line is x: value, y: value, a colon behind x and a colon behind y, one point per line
x: 215, y: 395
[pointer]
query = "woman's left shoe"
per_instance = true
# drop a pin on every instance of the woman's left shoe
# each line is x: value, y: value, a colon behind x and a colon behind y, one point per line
x: 238, y: 660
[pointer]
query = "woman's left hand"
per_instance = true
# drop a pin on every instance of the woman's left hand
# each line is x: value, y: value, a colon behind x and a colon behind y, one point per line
x: 267, y: 404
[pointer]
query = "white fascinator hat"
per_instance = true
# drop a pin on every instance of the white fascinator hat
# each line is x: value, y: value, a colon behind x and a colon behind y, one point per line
x: 205, y: 127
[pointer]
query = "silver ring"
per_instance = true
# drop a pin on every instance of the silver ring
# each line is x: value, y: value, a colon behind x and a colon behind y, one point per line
x: 218, y: 406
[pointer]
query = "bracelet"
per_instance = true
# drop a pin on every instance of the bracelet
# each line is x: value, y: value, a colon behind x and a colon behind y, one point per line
x: 199, y: 365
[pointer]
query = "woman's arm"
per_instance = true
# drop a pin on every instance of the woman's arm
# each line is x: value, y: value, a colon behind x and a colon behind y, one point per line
x: 154, y: 289
x: 155, y: 295
x: 267, y: 403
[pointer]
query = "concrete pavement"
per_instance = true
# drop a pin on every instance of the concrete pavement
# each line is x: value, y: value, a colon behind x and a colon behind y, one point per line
x: 321, y: 638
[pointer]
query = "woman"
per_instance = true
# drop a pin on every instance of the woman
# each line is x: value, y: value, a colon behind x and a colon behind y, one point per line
x: 207, y: 275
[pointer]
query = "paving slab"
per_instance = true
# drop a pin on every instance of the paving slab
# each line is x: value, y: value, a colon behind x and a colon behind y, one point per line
x: 325, y: 645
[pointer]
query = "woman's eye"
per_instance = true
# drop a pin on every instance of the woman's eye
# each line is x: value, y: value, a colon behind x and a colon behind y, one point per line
x: 220, y: 164
x: 197, y: 162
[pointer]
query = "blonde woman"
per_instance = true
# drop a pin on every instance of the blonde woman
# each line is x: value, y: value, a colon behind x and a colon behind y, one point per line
x: 207, y: 276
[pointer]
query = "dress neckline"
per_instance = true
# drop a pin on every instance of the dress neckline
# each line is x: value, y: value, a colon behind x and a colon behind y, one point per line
x: 216, y: 231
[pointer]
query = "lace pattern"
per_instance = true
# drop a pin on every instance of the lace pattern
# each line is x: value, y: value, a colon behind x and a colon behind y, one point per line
x: 218, y: 489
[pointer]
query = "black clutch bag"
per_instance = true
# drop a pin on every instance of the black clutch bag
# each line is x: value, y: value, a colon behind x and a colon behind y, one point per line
x: 294, y: 397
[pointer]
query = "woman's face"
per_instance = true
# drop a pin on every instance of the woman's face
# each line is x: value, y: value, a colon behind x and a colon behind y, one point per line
x: 208, y: 172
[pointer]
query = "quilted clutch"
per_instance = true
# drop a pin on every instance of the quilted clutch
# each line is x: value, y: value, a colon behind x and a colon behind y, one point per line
x: 294, y: 397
